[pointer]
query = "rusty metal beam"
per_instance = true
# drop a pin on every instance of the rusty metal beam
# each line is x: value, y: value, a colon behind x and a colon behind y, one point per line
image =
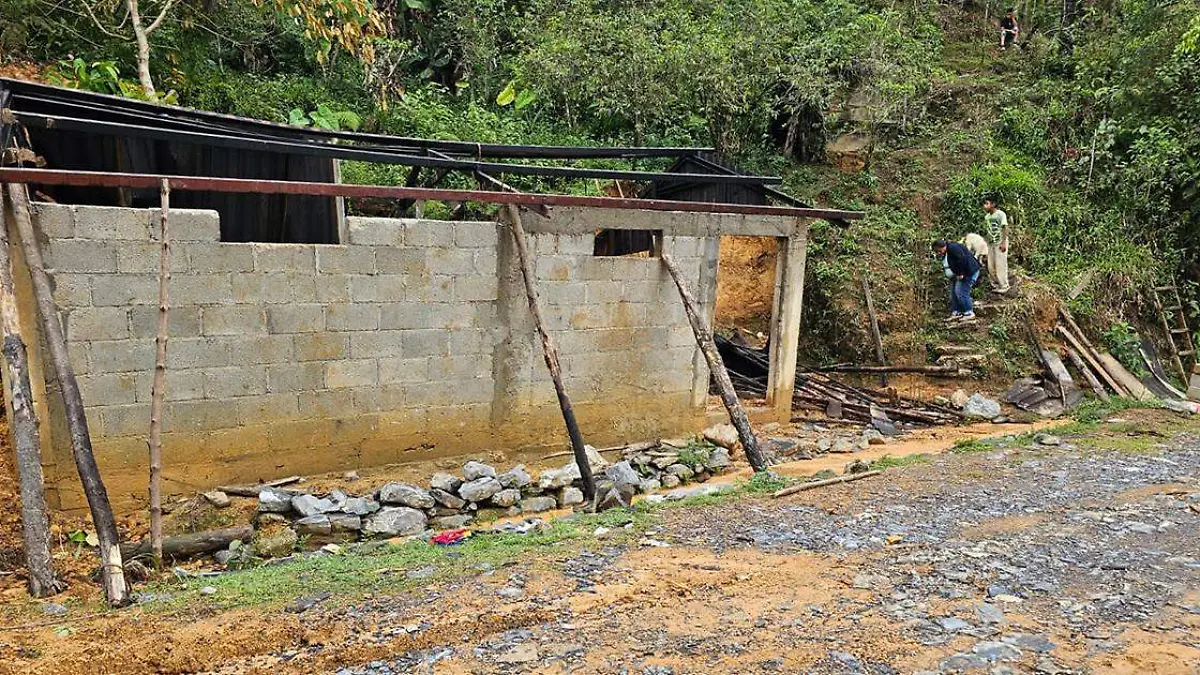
x: 249, y: 186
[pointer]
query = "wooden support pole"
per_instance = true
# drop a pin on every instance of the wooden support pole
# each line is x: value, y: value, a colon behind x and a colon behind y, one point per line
x: 737, y: 415
x: 112, y: 571
x: 875, y: 336
x: 550, y: 352
x: 1087, y: 373
x: 157, y: 389
x: 785, y: 321
x: 35, y: 521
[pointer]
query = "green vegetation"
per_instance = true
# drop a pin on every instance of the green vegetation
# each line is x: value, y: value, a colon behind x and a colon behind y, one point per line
x: 889, y: 462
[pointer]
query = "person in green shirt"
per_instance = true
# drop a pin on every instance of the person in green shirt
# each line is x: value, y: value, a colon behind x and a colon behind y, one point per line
x: 997, y: 234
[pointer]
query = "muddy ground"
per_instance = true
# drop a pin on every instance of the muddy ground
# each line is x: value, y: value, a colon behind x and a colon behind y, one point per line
x: 1016, y: 557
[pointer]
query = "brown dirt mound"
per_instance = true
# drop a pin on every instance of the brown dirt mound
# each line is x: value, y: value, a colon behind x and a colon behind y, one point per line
x: 746, y: 283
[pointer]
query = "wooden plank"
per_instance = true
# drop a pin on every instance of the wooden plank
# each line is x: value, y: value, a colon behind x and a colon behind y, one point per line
x: 1089, y: 354
x: 1082, y: 367
x: 1131, y: 384
x: 875, y: 330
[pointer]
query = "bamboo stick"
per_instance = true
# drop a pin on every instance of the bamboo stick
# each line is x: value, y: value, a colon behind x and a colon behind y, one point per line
x: 737, y: 415
x: 157, y: 391
x: 112, y: 570
x: 822, y: 483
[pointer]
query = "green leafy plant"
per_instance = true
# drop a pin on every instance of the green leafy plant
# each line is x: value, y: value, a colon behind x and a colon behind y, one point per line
x: 103, y: 77
x: 1124, y: 342
x: 325, y: 117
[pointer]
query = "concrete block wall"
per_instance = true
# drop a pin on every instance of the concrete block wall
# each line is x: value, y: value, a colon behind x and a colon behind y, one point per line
x: 411, y: 340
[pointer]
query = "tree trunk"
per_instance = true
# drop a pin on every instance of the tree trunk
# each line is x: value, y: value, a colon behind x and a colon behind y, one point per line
x: 550, y: 352
x: 157, y: 393
x: 188, y: 545
x: 34, y: 519
x: 737, y: 415
x: 112, y: 572
x: 142, y: 37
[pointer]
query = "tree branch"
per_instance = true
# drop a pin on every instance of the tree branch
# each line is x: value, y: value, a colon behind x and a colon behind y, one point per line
x: 161, y: 15
x: 100, y: 25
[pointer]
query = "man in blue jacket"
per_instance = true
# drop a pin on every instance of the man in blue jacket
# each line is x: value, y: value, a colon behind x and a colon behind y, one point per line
x: 965, y: 270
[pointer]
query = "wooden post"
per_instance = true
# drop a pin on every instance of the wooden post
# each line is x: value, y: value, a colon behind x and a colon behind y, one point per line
x: 875, y: 337
x: 112, y: 570
x: 550, y: 352
x: 157, y: 392
x: 34, y: 519
x: 785, y: 321
x: 737, y: 415
x: 1087, y: 373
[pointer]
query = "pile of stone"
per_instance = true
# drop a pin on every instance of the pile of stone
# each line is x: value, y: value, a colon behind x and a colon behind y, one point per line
x: 480, y: 492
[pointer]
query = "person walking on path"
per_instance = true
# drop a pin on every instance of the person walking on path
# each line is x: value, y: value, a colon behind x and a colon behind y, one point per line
x: 997, y: 258
x: 965, y: 269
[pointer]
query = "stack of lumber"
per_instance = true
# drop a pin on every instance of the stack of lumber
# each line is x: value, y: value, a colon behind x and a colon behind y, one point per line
x: 748, y: 368
x: 1103, y: 373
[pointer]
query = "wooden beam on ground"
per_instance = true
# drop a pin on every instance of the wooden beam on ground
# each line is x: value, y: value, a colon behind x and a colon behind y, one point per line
x: 785, y: 322
x: 188, y: 545
x: 812, y: 485
x: 112, y: 571
x: 35, y: 522
x: 737, y: 414
x: 550, y: 353
x: 925, y: 369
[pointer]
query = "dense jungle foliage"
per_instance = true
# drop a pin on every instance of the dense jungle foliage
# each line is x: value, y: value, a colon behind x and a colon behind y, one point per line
x: 1088, y: 131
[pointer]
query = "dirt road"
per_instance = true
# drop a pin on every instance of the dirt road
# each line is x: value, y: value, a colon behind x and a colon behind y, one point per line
x: 1018, y: 558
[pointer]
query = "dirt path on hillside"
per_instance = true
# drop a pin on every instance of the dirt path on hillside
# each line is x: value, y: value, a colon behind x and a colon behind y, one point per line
x: 1019, y: 559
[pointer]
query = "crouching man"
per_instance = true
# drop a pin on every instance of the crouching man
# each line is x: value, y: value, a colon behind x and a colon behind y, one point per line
x: 965, y: 270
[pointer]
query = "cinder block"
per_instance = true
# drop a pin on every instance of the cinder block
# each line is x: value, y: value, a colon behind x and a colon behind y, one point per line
x: 636, y: 269
x: 144, y: 257
x: 326, y: 404
x: 197, y: 352
x: 553, y: 268
x: 562, y: 292
x: 182, y: 321
x: 78, y: 255
x: 271, y: 408
x: 333, y: 259
x: 208, y: 258
x: 200, y: 415
x: 599, y: 292
x: 428, y: 233
x: 120, y: 356
x: 484, y: 234
x: 576, y: 244
x: 189, y: 225
x: 487, y: 262
x: 376, y: 344
x: 234, y: 320
x: 368, y: 400
x: 332, y: 288
x: 452, y: 261
x: 411, y: 261
x: 55, y: 221
x: 111, y: 222
x: 80, y: 360
x: 379, y: 288
x: 97, y: 323
x: 109, y: 389
x: 124, y: 420
x: 320, y: 346
x: 296, y: 258
x: 201, y: 289
x: 293, y: 377
x: 596, y: 269
x: 375, y: 231
x: 401, y: 370
x: 455, y: 368
x: 429, y: 289
x: 274, y: 288
x: 124, y: 289
x: 72, y: 290
x: 256, y: 349
x: 352, y: 317
x: 179, y: 385
x: 471, y: 342
x: 296, y: 318
x: 224, y: 383
x: 418, y: 343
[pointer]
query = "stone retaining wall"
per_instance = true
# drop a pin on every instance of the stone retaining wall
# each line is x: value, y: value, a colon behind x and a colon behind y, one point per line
x: 410, y: 341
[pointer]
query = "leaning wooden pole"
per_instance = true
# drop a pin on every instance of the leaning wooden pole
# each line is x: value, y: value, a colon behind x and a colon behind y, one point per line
x: 737, y: 414
x: 112, y: 570
x: 160, y: 376
x: 550, y: 352
x: 34, y: 519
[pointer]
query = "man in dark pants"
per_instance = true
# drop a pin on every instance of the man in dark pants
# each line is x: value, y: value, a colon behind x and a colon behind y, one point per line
x: 965, y: 268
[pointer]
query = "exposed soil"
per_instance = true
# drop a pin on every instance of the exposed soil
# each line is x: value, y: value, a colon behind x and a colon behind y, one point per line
x: 746, y: 283
x: 1024, y: 558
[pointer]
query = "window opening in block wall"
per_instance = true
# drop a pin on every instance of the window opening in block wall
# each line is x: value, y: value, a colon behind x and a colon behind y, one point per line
x: 628, y: 243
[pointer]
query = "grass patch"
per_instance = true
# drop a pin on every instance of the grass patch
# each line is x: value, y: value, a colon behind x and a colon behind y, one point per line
x: 1095, y: 410
x: 889, y: 462
x: 965, y: 445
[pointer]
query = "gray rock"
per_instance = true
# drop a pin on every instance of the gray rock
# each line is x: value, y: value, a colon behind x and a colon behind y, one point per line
x: 995, y: 590
x: 617, y: 496
x: 1047, y: 439
x: 684, y: 471
x: 451, y: 522
x: 447, y: 500
x: 308, y: 505
x: 350, y: 476
x: 208, y: 590
x: 595, y: 459
x: 670, y: 480
x: 511, y: 593
x: 307, y: 602
x: 952, y: 624
x: 271, y: 500
x: 696, y: 491
x: 650, y: 485
x: 722, y: 435
x: 445, y: 482
x: 275, y: 544
x: 718, y: 459
x: 473, y: 470
x: 506, y: 497
x: 961, y: 663
x: 224, y: 556
x: 979, y: 406
x: 622, y: 473
x: 996, y: 651
x: 54, y: 609
x: 360, y: 506
x: 570, y: 496
x: 553, y: 479
x: 989, y: 613
x: 345, y: 522
x: 315, y: 524
x: 480, y: 489
x: 843, y: 446
x: 405, y: 495
x: 824, y: 444
x: 515, y: 478
x: 395, y: 521
x: 1034, y: 643
x: 538, y: 504
x: 664, y: 461
x: 217, y: 498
